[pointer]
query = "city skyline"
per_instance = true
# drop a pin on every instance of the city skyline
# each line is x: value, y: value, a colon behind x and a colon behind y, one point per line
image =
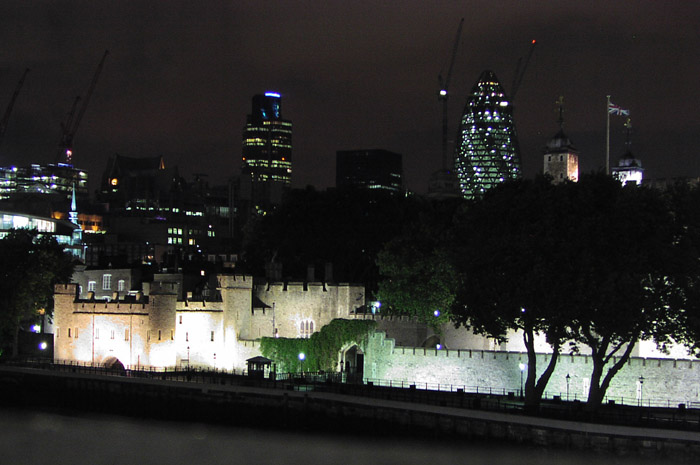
x: 179, y: 78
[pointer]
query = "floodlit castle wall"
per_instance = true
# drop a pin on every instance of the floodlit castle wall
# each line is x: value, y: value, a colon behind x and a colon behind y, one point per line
x: 284, y: 307
x: 662, y: 380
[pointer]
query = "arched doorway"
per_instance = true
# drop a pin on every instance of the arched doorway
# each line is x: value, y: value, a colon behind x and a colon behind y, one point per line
x: 352, y: 364
x: 113, y: 364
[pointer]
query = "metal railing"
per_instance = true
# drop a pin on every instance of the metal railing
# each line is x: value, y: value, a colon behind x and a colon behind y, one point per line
x: 651, y: 413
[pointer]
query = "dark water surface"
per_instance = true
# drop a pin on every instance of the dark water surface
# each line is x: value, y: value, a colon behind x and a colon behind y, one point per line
x: 37, y: 437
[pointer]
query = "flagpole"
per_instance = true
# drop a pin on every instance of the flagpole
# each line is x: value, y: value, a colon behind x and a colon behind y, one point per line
x: 607, y: 139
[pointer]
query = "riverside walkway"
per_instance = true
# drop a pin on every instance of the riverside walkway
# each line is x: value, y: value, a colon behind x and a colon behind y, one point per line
x: 307, y: 403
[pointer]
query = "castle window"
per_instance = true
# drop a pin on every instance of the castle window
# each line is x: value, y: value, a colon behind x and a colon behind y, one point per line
x: 120, y: 285
x: 172, y: 336
x: 159, y: 334
x: 212, y: 336
x: 106, y: 282
x: 68, y: 332
x: 91, y: 286
x: 187, y: 337
x: 180, y: 319
x: 561, y: 157
x: 306, y: 328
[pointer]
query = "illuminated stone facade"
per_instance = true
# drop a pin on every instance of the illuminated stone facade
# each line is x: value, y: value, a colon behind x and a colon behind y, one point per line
x: 561, y: 159
x: 488, y: 151
x: 158, y: 329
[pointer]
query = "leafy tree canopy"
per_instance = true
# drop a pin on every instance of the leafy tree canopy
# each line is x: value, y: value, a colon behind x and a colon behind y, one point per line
x: 31, y: 265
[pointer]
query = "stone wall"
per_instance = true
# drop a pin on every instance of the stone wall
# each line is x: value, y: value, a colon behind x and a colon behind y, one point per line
x: 664, y: 380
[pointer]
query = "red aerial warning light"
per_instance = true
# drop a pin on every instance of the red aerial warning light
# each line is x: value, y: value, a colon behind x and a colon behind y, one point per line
x: 534, y: 41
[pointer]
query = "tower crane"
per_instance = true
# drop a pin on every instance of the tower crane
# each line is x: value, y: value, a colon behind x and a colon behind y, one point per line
x: 8, y: 111
x: 70, y: 126
x: 443, y: 95
x: 520, y: 72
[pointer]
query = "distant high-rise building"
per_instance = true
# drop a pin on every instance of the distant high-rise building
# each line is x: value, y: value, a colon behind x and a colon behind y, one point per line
x: 560, y: 155
x: 267, y: 152
x: 58, y: 179
x: 488, y: 151
x: 375, y: 169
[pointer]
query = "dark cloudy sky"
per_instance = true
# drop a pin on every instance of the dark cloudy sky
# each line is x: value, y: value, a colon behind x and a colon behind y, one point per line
x: 362, y: 74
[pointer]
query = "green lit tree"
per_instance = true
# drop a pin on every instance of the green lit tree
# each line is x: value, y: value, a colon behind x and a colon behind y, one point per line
x: 419, y: 276
x: 30, y: 265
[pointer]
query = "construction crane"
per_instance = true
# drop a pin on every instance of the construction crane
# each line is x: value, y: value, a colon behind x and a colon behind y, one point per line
x: 520, y: 72
x: 443, y: 95
x: 8, y: 111
x: 70, y: 126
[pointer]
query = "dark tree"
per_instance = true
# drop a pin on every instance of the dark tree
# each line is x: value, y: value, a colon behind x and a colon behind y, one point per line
x: 626, y: 252
x: 344, y: 227
x: 29, y: 267
x: 512, y: 252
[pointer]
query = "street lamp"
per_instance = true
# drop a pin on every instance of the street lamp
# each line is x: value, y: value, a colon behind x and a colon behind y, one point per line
x: 522, y: 369
x: 302, y: 356
x: 568, y: 379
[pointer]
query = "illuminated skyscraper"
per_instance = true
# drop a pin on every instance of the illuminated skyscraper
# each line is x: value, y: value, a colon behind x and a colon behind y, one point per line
x: 267, y: 151
x: 488, y: 151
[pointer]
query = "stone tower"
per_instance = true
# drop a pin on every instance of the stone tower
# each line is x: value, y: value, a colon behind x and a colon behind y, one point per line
x: 560, y: 156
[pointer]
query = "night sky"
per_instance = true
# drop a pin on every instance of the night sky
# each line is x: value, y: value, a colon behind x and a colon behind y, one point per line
x: 363, y: 74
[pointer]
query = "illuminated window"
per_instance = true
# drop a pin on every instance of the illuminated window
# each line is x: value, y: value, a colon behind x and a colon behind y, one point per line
x: 91, y: 286
x: 106, y: 282
x: 120, y: 285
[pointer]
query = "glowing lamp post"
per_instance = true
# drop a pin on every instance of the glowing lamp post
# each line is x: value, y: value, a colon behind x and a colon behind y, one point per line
x: 302, y: 356
x: 522, y: 369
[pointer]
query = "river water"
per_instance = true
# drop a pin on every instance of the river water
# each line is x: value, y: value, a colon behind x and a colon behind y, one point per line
x: 37, y: 437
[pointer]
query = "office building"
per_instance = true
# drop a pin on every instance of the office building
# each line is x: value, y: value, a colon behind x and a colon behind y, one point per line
x: 375, y: 169
x: 266, y: 168
x: 487, y: 152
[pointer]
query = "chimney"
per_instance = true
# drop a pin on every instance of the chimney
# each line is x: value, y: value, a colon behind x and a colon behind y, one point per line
x: 310, y: 274
x: 329, y: 272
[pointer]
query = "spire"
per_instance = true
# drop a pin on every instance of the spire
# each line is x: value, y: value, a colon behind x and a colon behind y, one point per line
x: 560, y: 109
x: 73, y: 202
x: 628, y: 134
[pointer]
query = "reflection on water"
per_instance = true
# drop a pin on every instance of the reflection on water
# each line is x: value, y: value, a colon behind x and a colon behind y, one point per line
x: 28, y: 437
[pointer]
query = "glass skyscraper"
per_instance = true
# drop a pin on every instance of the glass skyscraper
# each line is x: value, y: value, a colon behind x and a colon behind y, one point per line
x: 267, y: 142
x: 488, y: 152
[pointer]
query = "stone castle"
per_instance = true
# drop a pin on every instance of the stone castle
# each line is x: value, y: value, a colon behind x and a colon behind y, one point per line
x: 220, y: 327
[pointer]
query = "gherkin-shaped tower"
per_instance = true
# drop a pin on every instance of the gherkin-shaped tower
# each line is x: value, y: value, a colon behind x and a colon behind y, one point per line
x: 488, y: 151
